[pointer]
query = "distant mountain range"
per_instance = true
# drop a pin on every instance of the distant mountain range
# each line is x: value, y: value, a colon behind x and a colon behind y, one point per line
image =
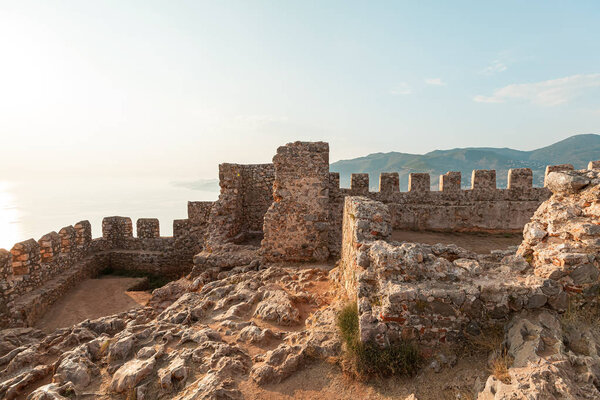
x: 577, y: 150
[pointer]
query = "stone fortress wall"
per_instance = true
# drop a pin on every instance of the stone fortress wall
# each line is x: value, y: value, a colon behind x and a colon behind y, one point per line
x: 295, y: 205
x: 297, y: 190
x: 437, y: 293
x: 34, y: 274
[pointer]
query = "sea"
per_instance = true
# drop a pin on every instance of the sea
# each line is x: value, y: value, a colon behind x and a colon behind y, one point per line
x: 33, y: 207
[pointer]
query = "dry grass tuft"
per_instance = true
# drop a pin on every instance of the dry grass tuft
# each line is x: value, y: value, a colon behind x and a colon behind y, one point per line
x: 491, y: 341
x: 500, y: 365
x: 582, y: 314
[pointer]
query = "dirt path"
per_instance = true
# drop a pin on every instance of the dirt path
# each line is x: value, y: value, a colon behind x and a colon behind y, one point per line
x: 478, y: 242
x: 93, y: 298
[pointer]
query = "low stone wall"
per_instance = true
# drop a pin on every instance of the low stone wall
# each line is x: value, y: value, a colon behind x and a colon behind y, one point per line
x: 431, y: 294
x: 34, y: 274
x: 28, y: 308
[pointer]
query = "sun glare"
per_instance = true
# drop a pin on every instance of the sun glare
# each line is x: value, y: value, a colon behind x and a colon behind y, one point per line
x: 9, y: 217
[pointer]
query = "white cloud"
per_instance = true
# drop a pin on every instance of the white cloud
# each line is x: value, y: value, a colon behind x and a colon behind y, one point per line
x: 401, y: 89
x: 495, y: 67
x: 546, y: 93
x: 435, y: 82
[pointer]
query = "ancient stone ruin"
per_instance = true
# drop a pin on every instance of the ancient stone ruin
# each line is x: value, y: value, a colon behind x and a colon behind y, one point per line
x: 262, y: 272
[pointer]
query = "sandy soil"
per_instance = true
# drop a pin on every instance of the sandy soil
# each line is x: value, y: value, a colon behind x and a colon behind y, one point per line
x: 477, y: 242
x: 321, y: 380
x: 93, y: 298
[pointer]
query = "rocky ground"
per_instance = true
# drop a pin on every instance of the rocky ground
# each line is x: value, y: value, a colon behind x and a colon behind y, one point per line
x: 270, y: 333
x: 193, y: 341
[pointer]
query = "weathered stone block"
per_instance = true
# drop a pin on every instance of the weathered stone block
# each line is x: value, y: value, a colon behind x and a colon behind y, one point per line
x: 556, y: 168
x: 181, y: 227
x: 359, y: 183
x: 594, y: 165
x: 389, y: 182
x: 25, y: 257
x: 50, y: 246
x: 83, y: 233
x: 566, y: 182
x: 483, y: 179
x: 67, y: 239
x: 419, y: 182
x: 117, y: 231
x: 450, y: 181
x: 148, y: 228
x: 334, y: 181
x: 520, y: 178
x: 199, y: 211
x: 296, y: 226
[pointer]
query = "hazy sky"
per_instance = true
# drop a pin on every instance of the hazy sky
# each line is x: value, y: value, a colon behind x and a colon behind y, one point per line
x: 172, y: 88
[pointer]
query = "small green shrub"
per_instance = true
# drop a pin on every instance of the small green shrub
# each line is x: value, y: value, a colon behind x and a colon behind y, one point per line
x: 369, y: 359
x: 348, y: 322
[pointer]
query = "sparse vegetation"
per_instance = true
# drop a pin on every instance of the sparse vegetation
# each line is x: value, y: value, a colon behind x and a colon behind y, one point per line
x: 582, y: 313
x: 369, y: 359
x: 491, y: 341
x: 104, y: 347
x: 500, y: 364
x: 70, y: 393
x: 152, y: 281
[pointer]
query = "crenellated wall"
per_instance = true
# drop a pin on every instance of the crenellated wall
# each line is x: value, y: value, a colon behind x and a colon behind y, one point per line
x: 483, y: 207
x: 34, y: 274
x: 296, y: 203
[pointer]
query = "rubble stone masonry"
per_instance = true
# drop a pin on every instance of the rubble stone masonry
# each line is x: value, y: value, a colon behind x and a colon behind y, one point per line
x: 296, y: 226
x: 246, y: 194
x: 431, y: 294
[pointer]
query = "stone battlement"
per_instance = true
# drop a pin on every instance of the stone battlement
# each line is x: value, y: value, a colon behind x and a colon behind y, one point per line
x: 72, y: 255
x: 451, y: 181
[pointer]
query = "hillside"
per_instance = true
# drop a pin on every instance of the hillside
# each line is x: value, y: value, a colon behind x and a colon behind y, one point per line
x: 577, y: 150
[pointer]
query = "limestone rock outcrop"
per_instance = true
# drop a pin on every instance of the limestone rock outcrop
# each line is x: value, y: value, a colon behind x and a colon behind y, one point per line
x: 562, y: 240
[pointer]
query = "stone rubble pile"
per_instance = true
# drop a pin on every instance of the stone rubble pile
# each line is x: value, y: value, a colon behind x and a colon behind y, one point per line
x: 562, y: 240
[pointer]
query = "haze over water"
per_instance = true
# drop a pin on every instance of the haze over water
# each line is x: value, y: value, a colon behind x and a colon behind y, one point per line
x: 32, y: 208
